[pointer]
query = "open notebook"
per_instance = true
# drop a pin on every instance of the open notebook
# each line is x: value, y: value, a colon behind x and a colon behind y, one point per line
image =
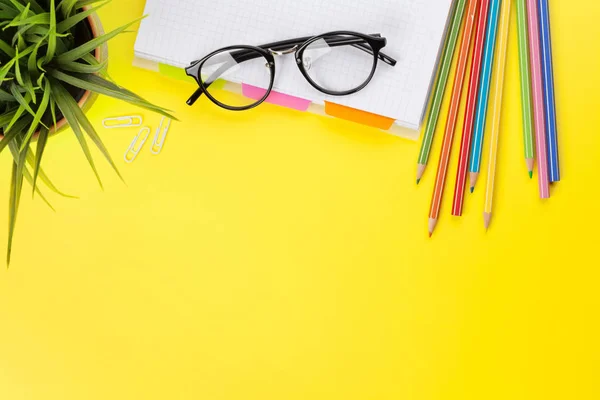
x: 177, y: 32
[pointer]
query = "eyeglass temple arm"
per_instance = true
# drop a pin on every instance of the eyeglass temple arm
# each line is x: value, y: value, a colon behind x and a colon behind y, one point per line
x: 246, y: 55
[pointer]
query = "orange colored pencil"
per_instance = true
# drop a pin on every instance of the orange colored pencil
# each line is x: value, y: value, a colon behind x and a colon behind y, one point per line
x: 463, y: 57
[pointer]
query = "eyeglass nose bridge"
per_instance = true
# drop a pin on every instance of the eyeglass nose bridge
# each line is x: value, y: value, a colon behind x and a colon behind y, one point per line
x: 283, y: 52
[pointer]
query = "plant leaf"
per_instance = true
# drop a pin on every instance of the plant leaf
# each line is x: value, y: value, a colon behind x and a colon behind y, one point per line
x: 37, y: 19
x: 63, y: 101
x: 16, y: 183
x: 91, y: 132
x: 37, y: 118
x: 70, y: 22
x: 7, y: 49
x: 27, y: 174
x: 35, y: 6
x: 35, y: 163
x: 67, y: 7
x: 32, y: 67
x: 99, y: 85
x: 91, y: 45
x: 83, y: 3
x: 5, y: 96
x: 73, y: 66
x: 18, y: 69
x: 16, y: 187
x: 51, y: 50
x: 9, y: 136
x: 23, y: 101
x: 5, y: 119
x: 39, y: 152
x: 6, y: 69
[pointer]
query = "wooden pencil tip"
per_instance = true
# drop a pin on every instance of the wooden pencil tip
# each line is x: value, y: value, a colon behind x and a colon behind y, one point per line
x: 420, y: 171
x: 473, y: 180
x: 487, y: 218
x: 432, y: 224
x: 530, y: 162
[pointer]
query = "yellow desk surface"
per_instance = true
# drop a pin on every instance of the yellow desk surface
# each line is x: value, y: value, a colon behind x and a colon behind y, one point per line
x: 273, y: 254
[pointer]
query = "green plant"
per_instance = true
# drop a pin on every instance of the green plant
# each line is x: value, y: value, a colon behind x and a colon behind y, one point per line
x: 44, y: 63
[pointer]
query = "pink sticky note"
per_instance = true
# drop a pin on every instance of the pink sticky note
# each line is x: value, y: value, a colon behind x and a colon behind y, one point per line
x: 280, y: 99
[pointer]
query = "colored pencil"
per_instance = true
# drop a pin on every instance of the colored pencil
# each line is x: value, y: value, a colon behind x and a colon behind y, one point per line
x: 484, y: 93
x: 467, y: 135
x: 537, y: 91
x: 459, y: 78
x: 440, y: 88
x: 525, y: 86
x: 549, y: 101
x: 497, y: 111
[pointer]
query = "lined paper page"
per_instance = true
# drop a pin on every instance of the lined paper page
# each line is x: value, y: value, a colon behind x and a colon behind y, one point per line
x: 180, y: 31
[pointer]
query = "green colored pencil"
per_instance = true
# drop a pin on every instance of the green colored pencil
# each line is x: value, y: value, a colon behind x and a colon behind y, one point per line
x: 525, y: 88
x: 440, y: 87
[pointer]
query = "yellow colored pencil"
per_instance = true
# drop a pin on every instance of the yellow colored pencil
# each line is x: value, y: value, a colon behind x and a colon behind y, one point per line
x: 498, y: 80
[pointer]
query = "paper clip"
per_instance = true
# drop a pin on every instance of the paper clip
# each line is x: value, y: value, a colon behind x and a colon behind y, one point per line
x: 159, y: 143
x: 131, y: 150
x: 127, y: 121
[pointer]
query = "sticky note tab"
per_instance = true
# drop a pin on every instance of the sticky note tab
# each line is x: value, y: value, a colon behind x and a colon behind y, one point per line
x: 280, y: 99
x: 362, y: 117
x: 172, y: 72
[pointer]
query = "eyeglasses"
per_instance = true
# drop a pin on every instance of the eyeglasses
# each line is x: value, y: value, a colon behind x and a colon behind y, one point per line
x: 336, y: 63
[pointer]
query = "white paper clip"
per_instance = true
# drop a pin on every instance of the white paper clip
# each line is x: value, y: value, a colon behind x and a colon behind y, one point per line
x: 159, y: 140
x: 127, y: 121
x: 132, y: 152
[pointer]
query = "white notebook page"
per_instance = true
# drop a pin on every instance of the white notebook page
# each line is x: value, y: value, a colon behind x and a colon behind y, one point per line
x: 180, y: 31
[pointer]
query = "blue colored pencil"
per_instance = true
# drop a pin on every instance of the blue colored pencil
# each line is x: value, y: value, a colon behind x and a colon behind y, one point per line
x: 549, y: 100
x: 484, y: 92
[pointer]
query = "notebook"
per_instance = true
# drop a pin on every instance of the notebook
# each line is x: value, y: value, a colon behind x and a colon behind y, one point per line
x: 177, y: 32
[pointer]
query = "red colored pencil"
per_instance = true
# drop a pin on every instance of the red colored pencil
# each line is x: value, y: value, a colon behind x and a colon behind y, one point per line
x: 465, y: 145
x: 459, y: 78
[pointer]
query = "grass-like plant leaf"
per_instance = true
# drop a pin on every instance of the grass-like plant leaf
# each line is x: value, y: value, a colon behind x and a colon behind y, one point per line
x: 70, y: 22
x: 82, y: 68
x: 37, y: 118
x: 7, y: 49
x: 85, y: 3
x: 16, y: 188
x: 96, y: 84
x: 35, y: 163
x: 87, y: 47
x: 38, y: 19
x: 51, y: 50
x: 83, y: 121
x: 39, y: 152
x: 62, y: 97
x: 24, y: 102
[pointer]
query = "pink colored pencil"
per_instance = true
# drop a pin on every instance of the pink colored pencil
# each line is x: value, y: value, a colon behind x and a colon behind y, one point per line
x: 538, y: 97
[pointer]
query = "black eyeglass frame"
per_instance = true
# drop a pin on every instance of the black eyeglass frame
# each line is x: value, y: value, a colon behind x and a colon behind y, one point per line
x: 268, y: 51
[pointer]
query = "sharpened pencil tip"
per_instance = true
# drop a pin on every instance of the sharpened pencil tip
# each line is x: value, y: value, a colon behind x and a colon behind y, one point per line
x: 530, y: 174
x: 420, y: 171
x: 487, y: 218
x: 472, y: 189
x: 432, y: 224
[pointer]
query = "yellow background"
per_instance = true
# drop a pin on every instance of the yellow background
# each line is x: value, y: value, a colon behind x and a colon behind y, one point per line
x: 273, y: 254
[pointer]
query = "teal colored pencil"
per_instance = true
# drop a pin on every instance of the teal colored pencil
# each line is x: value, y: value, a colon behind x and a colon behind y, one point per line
x: 484, y: 92
x: 525, y: 85
x: 440, y: 87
